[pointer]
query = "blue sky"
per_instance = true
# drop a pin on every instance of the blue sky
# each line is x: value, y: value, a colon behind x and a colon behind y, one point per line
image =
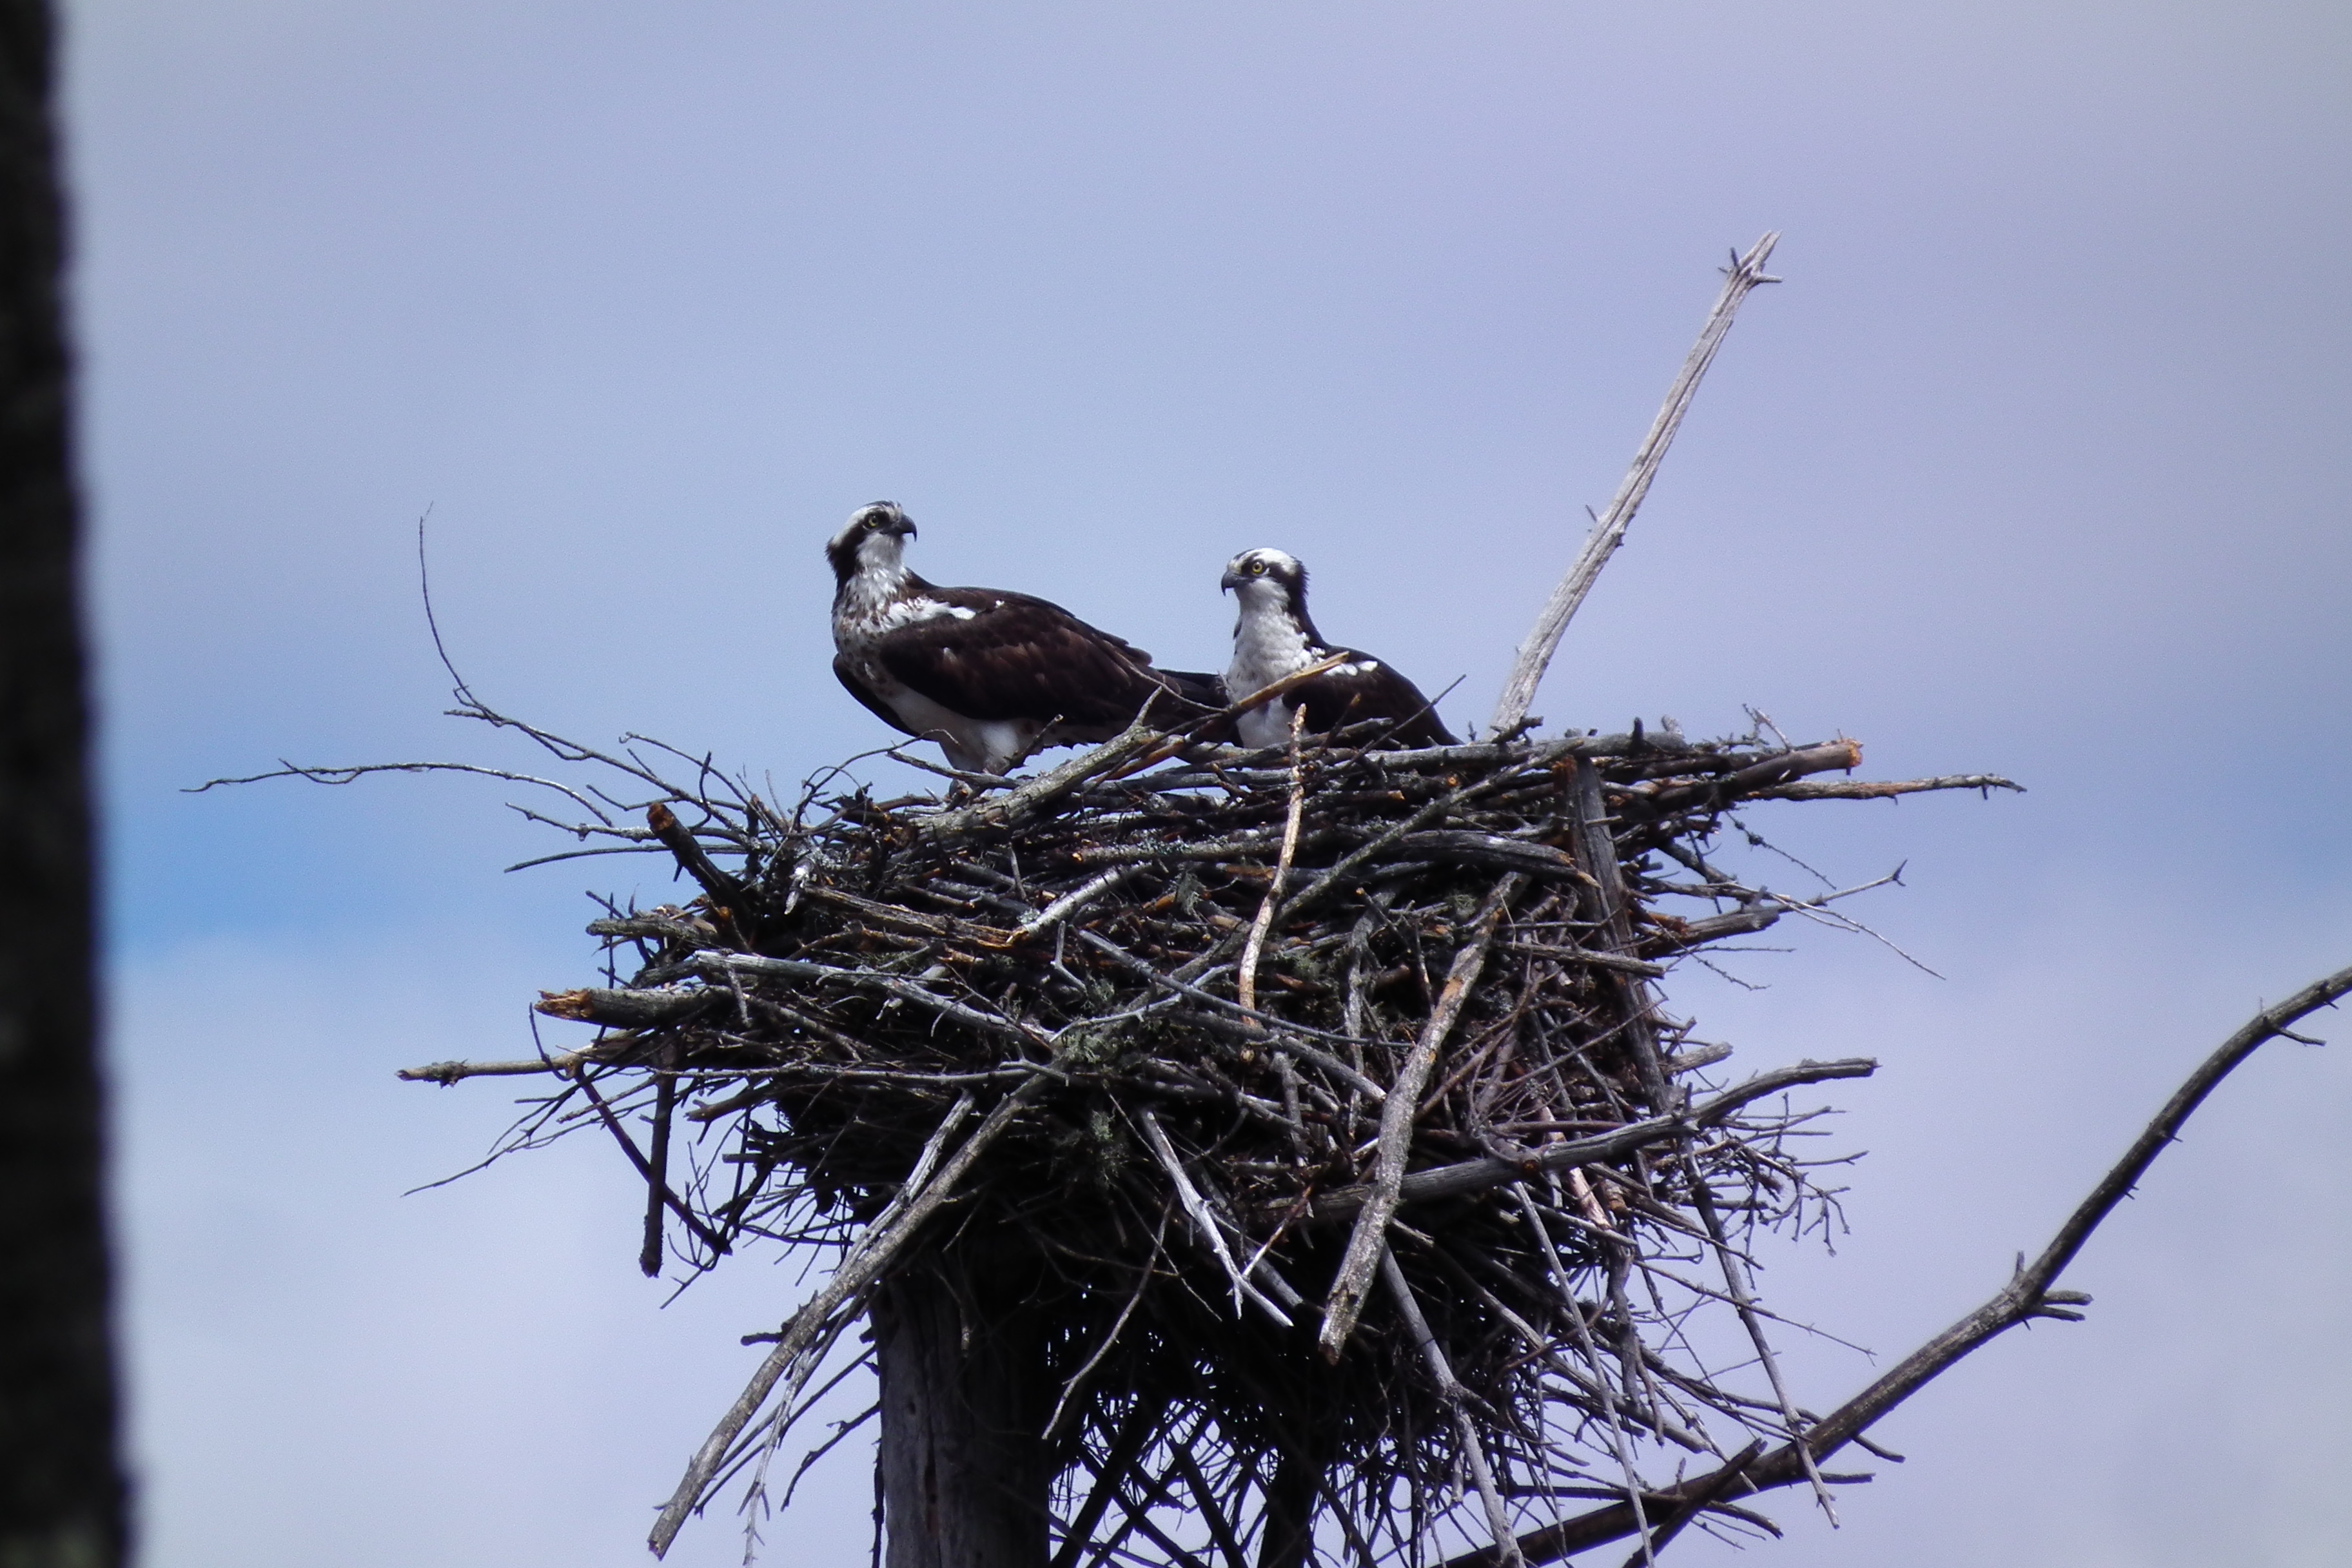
x: 2036, y: 464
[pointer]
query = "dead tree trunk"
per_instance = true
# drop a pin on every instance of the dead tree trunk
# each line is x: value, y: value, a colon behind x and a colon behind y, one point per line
x: 60, y: 1492
x: 965, y: 1474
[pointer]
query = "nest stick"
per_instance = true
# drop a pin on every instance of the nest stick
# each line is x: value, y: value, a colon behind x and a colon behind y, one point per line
x: 1884, y: 789
x: 726, y: 893
x: 1204, y: 1219
x: 1133, y: 1438
x: 1119, y: 1326
x: 1047, y: 788
x: 1291, y: 1032
x: 1743, y: 1300
x: 1131, y: 746
x: 714, y: 960
x: 1474, y: 1175
x: 842, y: 1429
x: 1212, y: 1511
x: 1441, y: 1371
x: 1153, y: 1490
x: 650, y: 1255
x: 562, y: 1063
x: 1347, y: 864
x: 1079, y: 897
x: 1371, y: 1239
x: 798, y: 1402
x: 1245, y: 985
x: 711, y: 1238
x: 1612, y: 908
x: 1746, y: 273
x: 1557, y: 1270
x: 1701, y: 1498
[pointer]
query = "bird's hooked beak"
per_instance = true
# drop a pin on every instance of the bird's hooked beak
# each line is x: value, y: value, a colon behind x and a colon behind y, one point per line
x: 1230, y: 580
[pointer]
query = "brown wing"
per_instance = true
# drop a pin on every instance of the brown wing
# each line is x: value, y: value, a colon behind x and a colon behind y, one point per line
x: 1343, y: 696
x: 1021, y: 658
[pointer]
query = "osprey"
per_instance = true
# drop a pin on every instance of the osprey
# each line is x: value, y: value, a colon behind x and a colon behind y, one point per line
x: 1275, y: 636
x: 990, y: 676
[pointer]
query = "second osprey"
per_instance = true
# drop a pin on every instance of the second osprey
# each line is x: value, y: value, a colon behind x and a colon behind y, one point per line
x: 1275, y: 636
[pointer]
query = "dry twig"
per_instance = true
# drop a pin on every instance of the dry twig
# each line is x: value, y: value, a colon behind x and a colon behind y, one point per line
x: 1742, y: 277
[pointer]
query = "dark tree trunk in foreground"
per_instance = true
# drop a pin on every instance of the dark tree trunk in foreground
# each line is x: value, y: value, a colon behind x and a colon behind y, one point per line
x: 964, y: 1402
x: 60, y: 1493
x: 1290, y: 1513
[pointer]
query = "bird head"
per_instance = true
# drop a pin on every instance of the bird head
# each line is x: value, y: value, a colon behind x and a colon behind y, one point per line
x: 1265, y: 576
x: 874, y: 536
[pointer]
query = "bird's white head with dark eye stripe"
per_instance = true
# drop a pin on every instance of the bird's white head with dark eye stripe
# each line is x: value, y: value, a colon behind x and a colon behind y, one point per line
x: 1274, y: 638
x: 1267, y: 579
x: 871, y: 545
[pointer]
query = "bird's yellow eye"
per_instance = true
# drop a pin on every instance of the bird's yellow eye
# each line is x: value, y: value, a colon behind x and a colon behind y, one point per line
x: 873, y: 521
x: 1255, y: 568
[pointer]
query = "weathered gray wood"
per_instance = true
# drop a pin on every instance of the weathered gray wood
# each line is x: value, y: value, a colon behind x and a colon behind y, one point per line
x: 1204, y: 1222
x: 1600, y: 1149
x: 1535, y: 653
x: 964, y: 1402
x: 1607, y: 903
x: 1369, y: 1244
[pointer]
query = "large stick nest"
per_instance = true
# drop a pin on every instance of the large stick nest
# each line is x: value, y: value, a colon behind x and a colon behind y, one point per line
x: 1324, y: 1096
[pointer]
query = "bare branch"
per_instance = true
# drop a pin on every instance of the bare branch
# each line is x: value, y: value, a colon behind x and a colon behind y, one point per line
x: 1609, y: 532
x: 2028, y: 1295
x: 1476, y: 1176
x: 1204, y: 1221
x: 1884, y: 789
